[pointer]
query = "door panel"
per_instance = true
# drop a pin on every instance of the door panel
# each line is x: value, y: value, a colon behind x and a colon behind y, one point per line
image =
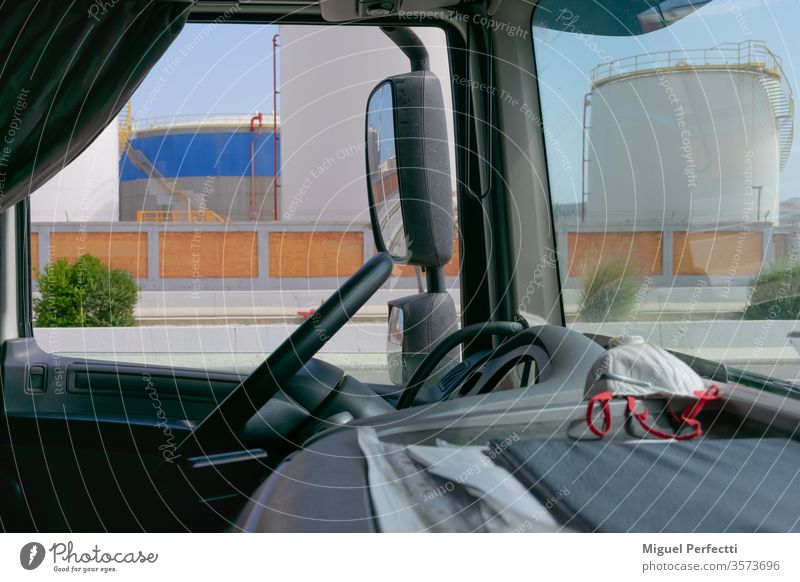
x: 43, y: 384
x: 84, y: 439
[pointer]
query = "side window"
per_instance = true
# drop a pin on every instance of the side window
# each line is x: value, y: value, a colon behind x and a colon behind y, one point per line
x: 674, y: 172
x: 225, y: 203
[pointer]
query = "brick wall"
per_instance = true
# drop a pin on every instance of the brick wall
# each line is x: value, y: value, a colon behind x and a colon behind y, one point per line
x: 208, y: 255
x: 175, y: 256
x: 121, y: 250
x: 717, y: 253
x: 315, y: 254
x: 640, y: 250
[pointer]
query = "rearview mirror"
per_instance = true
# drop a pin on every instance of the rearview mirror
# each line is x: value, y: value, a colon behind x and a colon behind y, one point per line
x: 411, y: 208
x: 408, y: 170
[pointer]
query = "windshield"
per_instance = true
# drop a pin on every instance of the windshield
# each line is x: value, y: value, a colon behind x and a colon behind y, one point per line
x: 675, y: 177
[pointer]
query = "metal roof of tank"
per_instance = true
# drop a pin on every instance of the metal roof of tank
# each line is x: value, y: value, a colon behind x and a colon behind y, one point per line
x: 226, y: 120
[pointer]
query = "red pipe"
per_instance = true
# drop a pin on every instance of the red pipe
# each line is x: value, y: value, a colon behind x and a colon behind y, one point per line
x: 275, y: 137
x: 260, y: 118
x: 257, y: 117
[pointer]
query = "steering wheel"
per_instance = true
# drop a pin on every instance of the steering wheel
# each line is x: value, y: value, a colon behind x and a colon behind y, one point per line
x: 220, y: 430
x: 563, y: 357
x: 469, y: 333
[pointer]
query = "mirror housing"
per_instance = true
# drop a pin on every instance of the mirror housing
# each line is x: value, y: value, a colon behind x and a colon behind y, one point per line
x: 411, y: 201
x: 416, y: 324
x: 408, y: 170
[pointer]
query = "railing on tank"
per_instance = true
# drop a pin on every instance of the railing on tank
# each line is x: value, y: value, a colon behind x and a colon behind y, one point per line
x: 178, y: 216
x: 215, y: 120
x: 750, y: 54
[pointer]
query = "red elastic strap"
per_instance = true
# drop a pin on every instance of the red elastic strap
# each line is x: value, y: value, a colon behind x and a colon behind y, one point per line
x: 642, y: 418
x: 686, y: 417
x: 603, y: 398
x: 703, y: 398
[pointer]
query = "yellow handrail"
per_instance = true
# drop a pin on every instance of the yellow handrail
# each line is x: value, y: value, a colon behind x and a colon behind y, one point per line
x: 178, y: 216
x: 749, y: 55
x: 746, y: 53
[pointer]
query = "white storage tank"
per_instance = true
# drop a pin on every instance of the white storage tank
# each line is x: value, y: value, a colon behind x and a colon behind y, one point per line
x: 87, y: 189
x: 693, y: 137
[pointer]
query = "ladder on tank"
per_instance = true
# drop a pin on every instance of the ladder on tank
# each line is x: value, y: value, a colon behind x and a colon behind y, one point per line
x: 169, y: 185
x: 782, y: 105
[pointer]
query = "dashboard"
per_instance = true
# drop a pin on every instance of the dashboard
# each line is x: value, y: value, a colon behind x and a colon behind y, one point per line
x: 339, y: 483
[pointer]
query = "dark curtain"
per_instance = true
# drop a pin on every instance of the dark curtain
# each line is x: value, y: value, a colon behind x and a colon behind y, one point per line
x: 66, y: 70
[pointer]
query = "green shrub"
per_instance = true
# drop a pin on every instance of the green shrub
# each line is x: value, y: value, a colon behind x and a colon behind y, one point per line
x: 87, y: 293
x: 775, y: 292
x: 608, y: 291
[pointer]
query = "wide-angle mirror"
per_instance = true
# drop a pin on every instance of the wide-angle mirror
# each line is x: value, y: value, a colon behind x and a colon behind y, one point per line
x: 384, y: 185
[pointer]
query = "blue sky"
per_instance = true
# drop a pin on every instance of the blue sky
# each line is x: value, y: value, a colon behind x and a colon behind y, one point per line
x: 211, y: 69
x: 227, y: 68
x: 565, y: 61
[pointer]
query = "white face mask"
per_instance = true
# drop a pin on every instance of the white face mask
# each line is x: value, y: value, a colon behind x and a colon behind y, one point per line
x: 634, y: 367
x: 631, y: 369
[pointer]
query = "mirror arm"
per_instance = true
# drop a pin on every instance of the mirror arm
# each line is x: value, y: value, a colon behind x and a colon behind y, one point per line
x: 435, y: 279
x: 411, y: 45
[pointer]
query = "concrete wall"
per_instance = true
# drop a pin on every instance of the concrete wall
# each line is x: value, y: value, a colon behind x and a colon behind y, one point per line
x: 735, y: 342
x: 725, y: 255
x: 213, y: 256
x: 738, y: 343
x: 220, y: 257
x: 255, y: 306
x: 249, y: 255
